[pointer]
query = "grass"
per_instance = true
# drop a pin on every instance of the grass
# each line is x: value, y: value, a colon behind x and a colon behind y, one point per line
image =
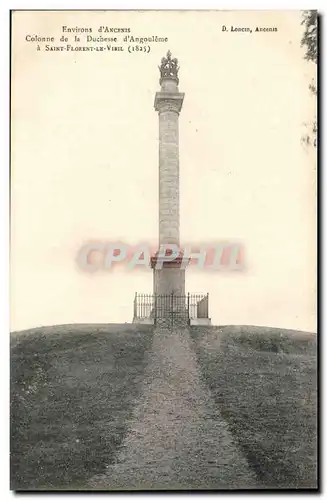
x: 264, y: 383
x: 73, y: 388
x: 72, y: 393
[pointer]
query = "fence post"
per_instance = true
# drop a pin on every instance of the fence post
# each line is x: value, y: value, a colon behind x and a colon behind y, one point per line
x: 135, y: 306
x: 188, y: 307
x: 155, y: 308
x: 207, y: 305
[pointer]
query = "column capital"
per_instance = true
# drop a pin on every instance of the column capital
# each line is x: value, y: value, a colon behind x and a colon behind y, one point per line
x: 168, y: 101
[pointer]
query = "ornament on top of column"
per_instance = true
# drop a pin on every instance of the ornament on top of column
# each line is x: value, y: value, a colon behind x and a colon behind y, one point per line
x: 169, y: 68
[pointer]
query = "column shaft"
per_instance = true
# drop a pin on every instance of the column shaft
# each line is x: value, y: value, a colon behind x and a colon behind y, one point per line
x: 168, y: 178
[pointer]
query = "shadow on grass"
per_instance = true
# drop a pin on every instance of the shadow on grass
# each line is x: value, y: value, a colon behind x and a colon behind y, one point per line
x: 72, y: 394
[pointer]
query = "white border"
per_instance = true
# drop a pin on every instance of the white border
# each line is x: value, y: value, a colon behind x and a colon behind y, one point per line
x: 4, y: 181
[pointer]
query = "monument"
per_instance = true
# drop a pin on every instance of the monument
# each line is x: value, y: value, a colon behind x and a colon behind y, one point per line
x: 169, y: 300
x: 168, y: 103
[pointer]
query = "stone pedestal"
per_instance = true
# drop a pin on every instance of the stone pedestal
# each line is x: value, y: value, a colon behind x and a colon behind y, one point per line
x: 170, y: 278
x: 167, y: 281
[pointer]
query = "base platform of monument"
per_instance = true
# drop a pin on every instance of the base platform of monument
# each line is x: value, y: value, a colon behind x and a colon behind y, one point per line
x: 200, y: 321
x: 144, y: 321
x: 192, y: 321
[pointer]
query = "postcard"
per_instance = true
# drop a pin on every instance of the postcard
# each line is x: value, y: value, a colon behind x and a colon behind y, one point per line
x: 163, y: 250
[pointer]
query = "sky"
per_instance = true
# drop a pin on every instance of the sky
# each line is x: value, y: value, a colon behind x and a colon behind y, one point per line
x: 84, y: 164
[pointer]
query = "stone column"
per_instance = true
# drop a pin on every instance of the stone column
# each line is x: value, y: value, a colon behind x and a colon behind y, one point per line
x: 168, y: 103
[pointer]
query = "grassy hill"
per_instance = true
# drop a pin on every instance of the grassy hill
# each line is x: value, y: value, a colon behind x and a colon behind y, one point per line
x: 264, y: 382
x: 73, y: 388
x: 72, y: 392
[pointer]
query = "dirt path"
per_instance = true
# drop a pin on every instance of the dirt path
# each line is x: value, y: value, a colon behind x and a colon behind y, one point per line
x: 176, y: 440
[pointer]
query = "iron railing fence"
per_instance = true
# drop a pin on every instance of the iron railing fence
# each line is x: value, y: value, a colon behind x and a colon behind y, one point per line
x: 155, y: 306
